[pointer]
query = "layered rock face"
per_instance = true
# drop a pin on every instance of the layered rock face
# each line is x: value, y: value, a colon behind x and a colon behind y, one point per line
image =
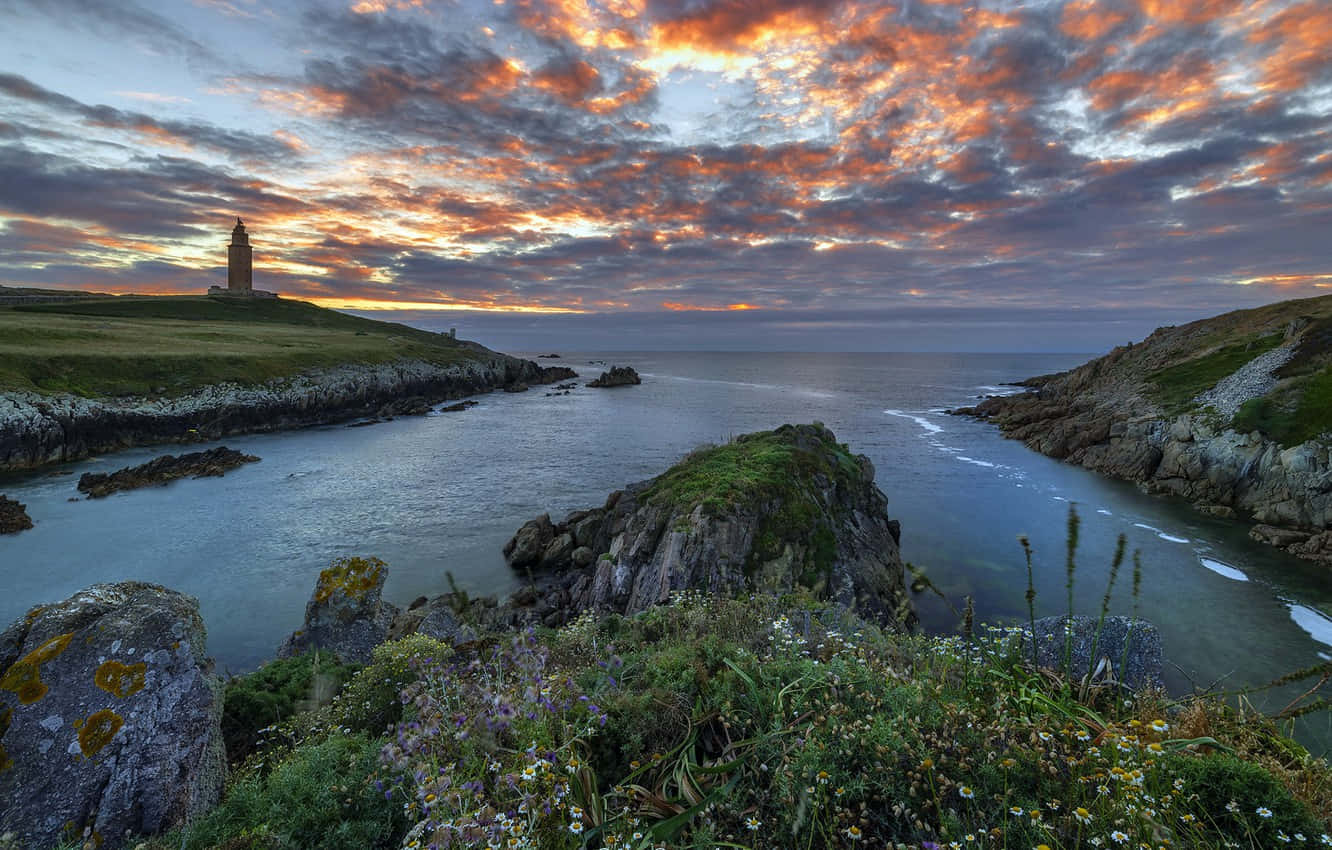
x: 110, y: 717
x: 37, y: 429
x: 346, y: 613
x: 771, y: 512
x: 1107, y: 415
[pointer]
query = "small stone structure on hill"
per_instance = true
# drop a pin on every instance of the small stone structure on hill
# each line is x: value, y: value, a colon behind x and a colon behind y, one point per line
x: 240, y: 267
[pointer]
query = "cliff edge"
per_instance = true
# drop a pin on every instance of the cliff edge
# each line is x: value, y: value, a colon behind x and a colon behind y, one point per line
x: 1233, y: 413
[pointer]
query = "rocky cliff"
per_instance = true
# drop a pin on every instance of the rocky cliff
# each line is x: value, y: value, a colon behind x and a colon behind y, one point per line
x: 775, y: 511
x: 1232, y: 413
x: 37, y: 429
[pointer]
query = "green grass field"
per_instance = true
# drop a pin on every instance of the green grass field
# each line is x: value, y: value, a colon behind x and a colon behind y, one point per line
x: 170, y: 345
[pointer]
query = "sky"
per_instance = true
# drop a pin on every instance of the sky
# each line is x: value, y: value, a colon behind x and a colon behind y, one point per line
x: 970, y: 175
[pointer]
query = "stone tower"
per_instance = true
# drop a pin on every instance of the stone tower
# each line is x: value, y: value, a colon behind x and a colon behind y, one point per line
x: 240, y: 261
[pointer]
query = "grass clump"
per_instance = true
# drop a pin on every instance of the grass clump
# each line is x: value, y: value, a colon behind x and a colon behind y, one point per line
x: 1174, y: 387
x: 322, y: 796
x: 1306, y: 412
x: 276, y: 692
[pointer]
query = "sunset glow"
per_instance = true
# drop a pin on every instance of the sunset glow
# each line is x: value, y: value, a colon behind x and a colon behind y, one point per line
x: 792, y: 157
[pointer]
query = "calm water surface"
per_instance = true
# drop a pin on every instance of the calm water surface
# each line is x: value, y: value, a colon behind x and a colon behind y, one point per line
x: 440, y: 494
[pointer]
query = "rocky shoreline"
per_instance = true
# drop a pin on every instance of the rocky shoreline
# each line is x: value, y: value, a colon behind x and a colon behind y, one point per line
x: 1103, y: 416
x: 40, y: 429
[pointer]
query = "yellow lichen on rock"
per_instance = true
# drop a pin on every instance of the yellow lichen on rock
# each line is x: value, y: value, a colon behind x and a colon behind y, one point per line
x: 24, y: 677
x: 353, y: 577
x: 98, y: 730
x: 120, y: 679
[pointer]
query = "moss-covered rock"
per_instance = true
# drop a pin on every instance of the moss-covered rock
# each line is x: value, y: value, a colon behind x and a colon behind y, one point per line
x: 345, y: 614
x: 776, y: 511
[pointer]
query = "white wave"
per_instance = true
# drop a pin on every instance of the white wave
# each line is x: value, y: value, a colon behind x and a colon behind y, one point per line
x: 1316, y: 623
x: 992, y: 390
x: 1170, y: 538
x: 1146, y: 526
x: 965, y: 459
x: 1059, y: 498
x: 919, y: 420
x: 1104, y: 511
x: 1223, y: 569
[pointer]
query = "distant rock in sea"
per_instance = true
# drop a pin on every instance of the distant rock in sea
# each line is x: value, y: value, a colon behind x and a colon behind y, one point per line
x: 618, y: 376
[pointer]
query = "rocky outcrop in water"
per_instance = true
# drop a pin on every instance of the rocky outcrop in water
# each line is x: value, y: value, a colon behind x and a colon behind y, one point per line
x: 1123, y: 650
x: 161, y: 470
x: 346, y: 613
x: 775, y: 511
x: 13, y: 516
x: 110, y: 717
x: 38, y: 429
x: 1115, y: 415
x: 618, y: 376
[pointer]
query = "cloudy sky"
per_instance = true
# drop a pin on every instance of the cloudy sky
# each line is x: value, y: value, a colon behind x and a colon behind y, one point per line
x: 793, y: 174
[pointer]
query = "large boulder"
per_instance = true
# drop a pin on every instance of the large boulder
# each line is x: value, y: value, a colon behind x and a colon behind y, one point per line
x: 775, y: 511
x: 13, y: 516
x: 110, y: 717
x: 345, y: 613
x: 1120, y: 649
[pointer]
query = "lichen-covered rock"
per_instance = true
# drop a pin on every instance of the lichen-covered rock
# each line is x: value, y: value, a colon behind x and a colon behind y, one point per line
x: 161, y: 470
x: 13, y: 516
x: 775, y: 511
x: 110, y: 717
x: 1122, y: 649
x: 618, y: 376
x: 345, y: 613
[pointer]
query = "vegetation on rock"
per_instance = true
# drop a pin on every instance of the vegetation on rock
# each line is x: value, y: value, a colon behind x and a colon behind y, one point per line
x: 276, y: 692
x: 169, y: 345
x: 765, y: 723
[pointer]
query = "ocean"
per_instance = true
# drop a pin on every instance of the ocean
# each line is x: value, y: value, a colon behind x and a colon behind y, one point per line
x: 437, y: 496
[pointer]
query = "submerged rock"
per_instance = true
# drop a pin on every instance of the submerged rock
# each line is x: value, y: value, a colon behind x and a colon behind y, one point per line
x: 345, y: 614
x: 110, y: 717
x: 161, y: 470
x: 13, y: 516
x: 775, y: 511
x: 618, y: 376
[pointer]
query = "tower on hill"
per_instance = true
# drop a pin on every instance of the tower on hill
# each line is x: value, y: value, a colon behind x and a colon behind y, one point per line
x: 240, y: 267
x: 240, y: 261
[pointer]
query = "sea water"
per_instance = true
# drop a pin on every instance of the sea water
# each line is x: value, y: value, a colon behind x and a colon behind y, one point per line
x: 437, y: 496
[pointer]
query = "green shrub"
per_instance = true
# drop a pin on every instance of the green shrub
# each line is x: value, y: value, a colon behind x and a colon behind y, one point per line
x: 371, y: 701
x: 276, y: 692
x: 322, y: 797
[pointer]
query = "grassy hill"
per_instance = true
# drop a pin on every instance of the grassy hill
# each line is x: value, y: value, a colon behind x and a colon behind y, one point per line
x: 169, y: 345
x: 1169, y: 370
